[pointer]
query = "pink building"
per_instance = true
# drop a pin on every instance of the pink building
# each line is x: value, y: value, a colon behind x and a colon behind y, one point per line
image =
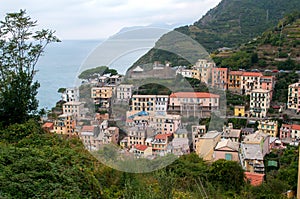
x: 290, y: 131
x: 219, y: 78
x: 267, y: 83
x: 228, y: 150
x: 194, y: 104
x: 250, y: 81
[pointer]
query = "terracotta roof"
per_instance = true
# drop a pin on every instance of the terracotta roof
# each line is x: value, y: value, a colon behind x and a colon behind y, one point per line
x: 220, y: 69
x: 162, y: 136
x: 255, y: 179
x: 193, y: 95
x: 268, y: 77
x: 48, y: 125
x: 235, y: 72
x: 296, y: 127
x: 140, y: 147
x: 255, y: 74
x: 87, y: 129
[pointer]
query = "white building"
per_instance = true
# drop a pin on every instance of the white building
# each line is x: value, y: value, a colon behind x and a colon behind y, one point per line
x: 74, y: 108
x: 293, y: 97
x: 70, y: 95
x: 259, y: 103
x: 124, y: 92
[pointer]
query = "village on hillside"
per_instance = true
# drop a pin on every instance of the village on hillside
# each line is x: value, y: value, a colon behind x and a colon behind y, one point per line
x: 147, y: 125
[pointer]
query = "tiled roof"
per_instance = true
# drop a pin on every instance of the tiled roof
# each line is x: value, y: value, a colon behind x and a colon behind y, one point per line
x: 162, y: 136
x: 254, y: 74
x: 48, y: 125
x: 235, y: 72
x: 220, y: 69
x: 267, y: 77
x: 87, y: 129
x: 296, y: 127
x: 140, y: 147
x: 193, y: 95
x: 255, y: 179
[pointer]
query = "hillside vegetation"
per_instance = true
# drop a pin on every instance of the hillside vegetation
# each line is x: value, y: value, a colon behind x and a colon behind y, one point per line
x: 230, y: 24
x: 278, y: 48
x: 36, y: 164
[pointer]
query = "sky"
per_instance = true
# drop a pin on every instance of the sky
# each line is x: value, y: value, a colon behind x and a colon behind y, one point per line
x: 99, y: 19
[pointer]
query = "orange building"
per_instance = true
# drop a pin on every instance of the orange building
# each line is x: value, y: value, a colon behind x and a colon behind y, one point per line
x: 234, y: 81
x: 219, y: 78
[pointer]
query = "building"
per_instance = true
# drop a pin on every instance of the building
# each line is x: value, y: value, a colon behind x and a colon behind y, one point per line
x: 269, y: 127
x: 259, y: 138
x: 197, y: 132
x: 293, y: 97
x: 267, y: 83
x: 70, y: 95
x: 230, y: 133
x: 219, y: 78
x: 260, y: 100
x: 234, y: 81
x: 102, y: 96
x: 65, y: 125
x: 190, y: 73
x: 140, y: 150
x: 48, y: 126
x: 136, y: 135
x: 111, y: 135
x: 206, y: 145
x: 197, y: 104
x: 290, y: 131
x: 165, y: 123
x: 228, y: 150
x: 204, y: 67
x: 252, y: 158
x: 114, y: 80
x: 180, y: 143
x: 124, y: 92
x: 239, y: 111
x: 88, y: 135
x: 74, y: 107
x: 160, y: 143
x: 149, y: 103
x: 250, y: 81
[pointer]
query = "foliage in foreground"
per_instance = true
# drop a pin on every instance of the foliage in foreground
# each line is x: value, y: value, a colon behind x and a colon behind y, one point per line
x: 41, y: 165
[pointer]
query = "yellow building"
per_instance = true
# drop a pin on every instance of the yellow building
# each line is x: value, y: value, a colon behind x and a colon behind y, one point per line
x: 102, y: 95
x: 196, y: 74
x: 269, y: 127
x: 234, y: 81
x: 206, y: 144
x: 239, y: 111
x: 205, y: 68
x: 65, y: 124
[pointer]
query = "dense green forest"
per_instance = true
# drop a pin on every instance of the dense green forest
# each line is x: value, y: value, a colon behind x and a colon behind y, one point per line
x: 230, y: 24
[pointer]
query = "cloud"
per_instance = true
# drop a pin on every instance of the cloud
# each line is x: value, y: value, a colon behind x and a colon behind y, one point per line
x: 86, y: 19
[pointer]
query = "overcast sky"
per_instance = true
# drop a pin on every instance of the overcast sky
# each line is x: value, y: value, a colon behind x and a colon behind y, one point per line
x: 99, y: 19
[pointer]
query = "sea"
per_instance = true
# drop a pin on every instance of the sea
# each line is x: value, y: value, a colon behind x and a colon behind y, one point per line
x: 62, y: 62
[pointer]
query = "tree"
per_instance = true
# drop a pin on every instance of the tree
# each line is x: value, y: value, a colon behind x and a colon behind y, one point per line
x: 20, y: 48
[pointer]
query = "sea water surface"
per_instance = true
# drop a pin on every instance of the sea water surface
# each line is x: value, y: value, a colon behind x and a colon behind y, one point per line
x: 62, y: 62
x: 58, y: 67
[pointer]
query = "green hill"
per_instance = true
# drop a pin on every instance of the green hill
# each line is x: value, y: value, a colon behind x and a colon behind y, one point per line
x: 278, y: 48
x: 230, y: 24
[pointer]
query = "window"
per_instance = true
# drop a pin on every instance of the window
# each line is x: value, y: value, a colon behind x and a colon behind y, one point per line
x: 228, y: 156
